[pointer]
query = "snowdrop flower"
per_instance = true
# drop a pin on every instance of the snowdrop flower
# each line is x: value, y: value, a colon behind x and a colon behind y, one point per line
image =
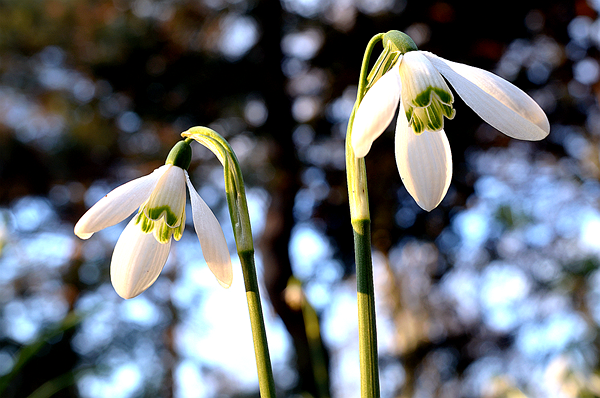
x: 143, y: 247
x: 415, y: 84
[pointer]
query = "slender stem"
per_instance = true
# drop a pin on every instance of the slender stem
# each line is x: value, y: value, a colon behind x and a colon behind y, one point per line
x: 362, y: 83
x: 361, y: 226
x: 356, y: 173
x: 367, y: 326
x: 242, y: 230
x: 259, y: 335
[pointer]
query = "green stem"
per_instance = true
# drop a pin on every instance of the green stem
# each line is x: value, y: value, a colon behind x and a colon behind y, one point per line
x: 361, y: 226
x: 242, y: 230
x: 367, y: 326
x: 259, y: 335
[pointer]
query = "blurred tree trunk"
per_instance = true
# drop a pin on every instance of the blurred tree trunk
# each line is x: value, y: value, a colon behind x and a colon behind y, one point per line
x: 274, y: 243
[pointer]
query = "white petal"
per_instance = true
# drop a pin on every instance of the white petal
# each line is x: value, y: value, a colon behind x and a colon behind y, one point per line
x: 117, y: 204
x: 375, y: 111
x: 211, y: 237
x: 424, y: 162
x: 137, y: 261
x: 498, y: 102
x: 169, y: 192
x: 418, y: 75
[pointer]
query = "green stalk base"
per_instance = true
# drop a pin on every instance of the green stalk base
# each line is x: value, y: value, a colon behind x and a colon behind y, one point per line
x: 259, y: 335
x: 367, y: 326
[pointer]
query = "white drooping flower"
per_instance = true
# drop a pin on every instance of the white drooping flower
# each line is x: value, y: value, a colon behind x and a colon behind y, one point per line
x: 143, y: 247
x: 416, y: 85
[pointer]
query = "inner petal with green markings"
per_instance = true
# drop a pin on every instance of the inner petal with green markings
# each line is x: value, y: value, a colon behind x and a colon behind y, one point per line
x: 164, y: 212
x: 426, y: 97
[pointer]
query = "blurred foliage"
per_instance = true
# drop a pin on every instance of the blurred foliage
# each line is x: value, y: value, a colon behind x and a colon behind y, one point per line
x: 494, y: 294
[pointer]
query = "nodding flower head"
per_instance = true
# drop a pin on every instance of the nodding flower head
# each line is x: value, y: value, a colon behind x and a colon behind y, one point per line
x: 143, y: 247
x: 415, y: 84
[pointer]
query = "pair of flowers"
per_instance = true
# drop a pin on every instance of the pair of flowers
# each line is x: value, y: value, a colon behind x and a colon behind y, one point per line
x: 414, y: 83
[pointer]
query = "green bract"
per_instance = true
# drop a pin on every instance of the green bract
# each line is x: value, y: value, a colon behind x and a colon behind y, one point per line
x: 395, y: 43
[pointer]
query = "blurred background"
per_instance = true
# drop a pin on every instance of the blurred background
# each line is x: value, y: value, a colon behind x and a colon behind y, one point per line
x: 496, y: 293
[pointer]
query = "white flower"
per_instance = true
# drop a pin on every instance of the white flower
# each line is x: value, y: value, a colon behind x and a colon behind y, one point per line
x: 143, y: 248
x: 422, y: 151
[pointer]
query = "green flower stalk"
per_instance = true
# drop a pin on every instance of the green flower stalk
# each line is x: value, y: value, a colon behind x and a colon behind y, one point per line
x: 361, y: 225
x: 240, y: 220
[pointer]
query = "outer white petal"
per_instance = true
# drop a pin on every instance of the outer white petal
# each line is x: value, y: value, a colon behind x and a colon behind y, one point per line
x: 137, y: 261
x: 117, y: 204
x: 211, y: 237
x: 424, y: 162
x: 498, y: 102
x: 169, y: 191
x: 375, y: 111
